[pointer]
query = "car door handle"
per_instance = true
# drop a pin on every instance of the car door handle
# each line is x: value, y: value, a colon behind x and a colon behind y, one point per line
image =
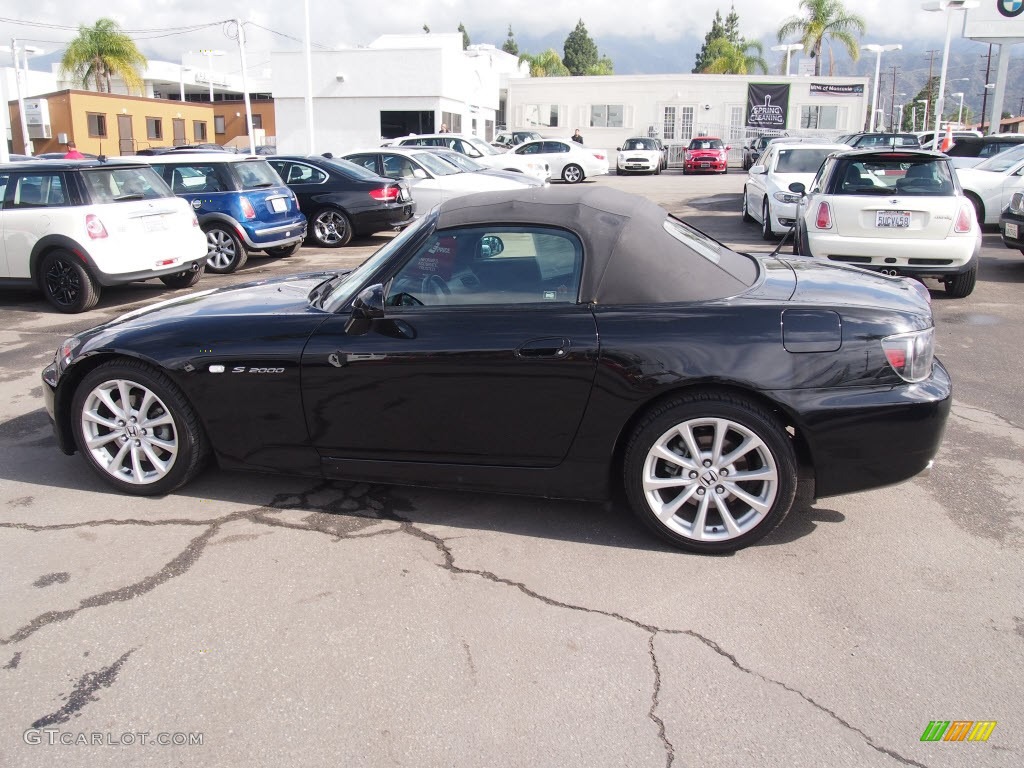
x: 552, y: 347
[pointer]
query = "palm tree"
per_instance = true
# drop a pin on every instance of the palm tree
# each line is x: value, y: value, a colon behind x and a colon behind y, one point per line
x: 547, y: 64
x: 824, y: 19
x: 101, y: 51
x: 728, y: 58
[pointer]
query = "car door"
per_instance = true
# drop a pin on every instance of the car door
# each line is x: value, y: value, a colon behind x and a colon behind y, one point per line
x: 36, y: 204
x: 483, y: 356
x: 303, y: 179
x: 755, y: 188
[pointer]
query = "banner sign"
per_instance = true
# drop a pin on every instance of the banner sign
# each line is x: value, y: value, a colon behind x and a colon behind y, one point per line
x: 838, y: 90
x: 767, y: 105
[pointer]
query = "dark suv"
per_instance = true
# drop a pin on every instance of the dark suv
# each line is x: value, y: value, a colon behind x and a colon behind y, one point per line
x: 241, y: 202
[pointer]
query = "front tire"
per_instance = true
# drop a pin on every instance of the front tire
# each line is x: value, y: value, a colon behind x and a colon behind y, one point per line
x: 766, y: 222
x: 185, y: 279
x: 331, y: 228
x: 743, y: 207
x: 961, y: 286
x: 572, y: 174
x: 136, y: 430
x: 66, y: 283
x: 224, y: 251
x: 710, y: 473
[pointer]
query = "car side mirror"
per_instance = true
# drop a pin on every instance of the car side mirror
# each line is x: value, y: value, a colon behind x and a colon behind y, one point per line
x: 618, y: 149
x: 491, y: 245
x: 727, y: 149
x: 366, y: 307
x: 758, y: 170
x: 798, y: 187
x: 419, y: 173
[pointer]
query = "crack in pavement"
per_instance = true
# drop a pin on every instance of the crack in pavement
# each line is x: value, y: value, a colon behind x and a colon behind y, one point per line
x: 85, y: 690
x: 379, y: 510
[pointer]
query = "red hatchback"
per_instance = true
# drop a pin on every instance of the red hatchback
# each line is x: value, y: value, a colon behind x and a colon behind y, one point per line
x: 706, y: 154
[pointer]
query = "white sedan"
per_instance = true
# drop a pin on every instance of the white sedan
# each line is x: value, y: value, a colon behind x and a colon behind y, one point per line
x: 766, y: 195
x: 991, y: 184
x: 431, y: 179
x: 898, y: 212
x: 479, y: 150
x: 569, y: 161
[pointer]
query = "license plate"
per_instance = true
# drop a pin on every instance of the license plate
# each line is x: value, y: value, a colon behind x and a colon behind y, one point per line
x: 705, y: 165
x: 892, y: 219
x: 278, y: 205
x: 403, y: 194
x: 1011, y: 231
x: 154, y: 224
x: 633, y: 167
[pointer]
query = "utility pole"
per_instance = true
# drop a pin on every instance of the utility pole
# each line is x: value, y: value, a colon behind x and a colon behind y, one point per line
x: 984, y: 95
x: 892, y: 100
x: 931, y: 60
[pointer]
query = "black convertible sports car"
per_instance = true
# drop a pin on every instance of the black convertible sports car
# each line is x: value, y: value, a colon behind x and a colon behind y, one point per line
x: 552, y: 341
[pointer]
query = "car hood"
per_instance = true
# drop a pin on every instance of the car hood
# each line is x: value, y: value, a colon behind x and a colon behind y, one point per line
x: 285, y: 295
x: 807, y: 281
x: 972, y: 178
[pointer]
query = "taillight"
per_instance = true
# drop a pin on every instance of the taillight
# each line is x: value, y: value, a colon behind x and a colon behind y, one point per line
x: 964, y: 219
x: 95, y: 227
x: 195, y: 219
x: 911, y: 354
x: 385, y: 194
x: 598, y: 156
x: 824, y: 218
x: 247, y: 210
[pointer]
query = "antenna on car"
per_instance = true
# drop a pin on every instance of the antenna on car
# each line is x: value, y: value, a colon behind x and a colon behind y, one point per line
x: 782, y: 242
x: 101, y: 158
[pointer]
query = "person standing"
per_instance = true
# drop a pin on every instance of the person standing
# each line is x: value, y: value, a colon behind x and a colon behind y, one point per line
x: 73, y: 153
x: 444, y: 128
x: 577, y: 137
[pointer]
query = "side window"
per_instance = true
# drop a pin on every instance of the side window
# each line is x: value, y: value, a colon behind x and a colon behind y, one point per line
x: 554, y: 147
x: 367, y: 161
x: 39, y: 191
x: 196, y: 179
x: 3, y: 188
x: 300, y: 173
x: 823, y: 173
x: 529, y: 149
x: 398, y: 167
x: 281, y: 167
x: 489, y: 267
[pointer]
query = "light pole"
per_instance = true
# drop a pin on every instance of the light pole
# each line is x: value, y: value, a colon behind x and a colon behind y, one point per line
x: 899, y: 124
x: 924, y: 120
x: 181, y: 80
x: 20, y: 88
x: 878, y: 50
x: 245, y: 87
x: 209, y: 53
x: 788, y: 48
x: 946, y: 6
x: 960, y: 113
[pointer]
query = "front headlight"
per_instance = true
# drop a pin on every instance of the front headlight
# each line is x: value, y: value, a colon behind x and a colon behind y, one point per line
x: 786, y: 197
x: 911, y: 354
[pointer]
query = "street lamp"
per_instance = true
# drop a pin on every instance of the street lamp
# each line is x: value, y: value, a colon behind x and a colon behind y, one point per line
x: 960, y: 113
x: 209, y: 53
x: 788, y: 48
x: 877, y: 50
x: 924, y: 120
x: 946, y: 6
x: 181, y: 80
x: 27, y: 50
x: 899, y: 124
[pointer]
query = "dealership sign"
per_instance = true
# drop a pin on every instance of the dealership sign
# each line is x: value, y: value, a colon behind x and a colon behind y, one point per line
x: 767, y: 105
x: 839, y: 90
x: 996, y: 21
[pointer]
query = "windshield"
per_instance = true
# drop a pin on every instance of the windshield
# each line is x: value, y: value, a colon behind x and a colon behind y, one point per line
x: 110, y: 185
x: 1002, y: 162
x: 903, y: 174
x: 433, y: 164
x: 341, y: 289
x: 706, y: 144
x: 483, y: 146
x: 460, y: 161
x: 635, y: 144
x: 800, y: 160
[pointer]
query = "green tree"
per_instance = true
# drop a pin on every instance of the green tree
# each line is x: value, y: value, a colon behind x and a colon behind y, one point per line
x: 580, y: 51
x: 465, y: 36
x: 820, y: 20
x: 510, y: 45
x: 732, y: 26
x: 547, y: 64
x: 717, y: 31
x: 604, y: 66
x: 727, y: 58
x: 101, y: 52
x: 928, y: 93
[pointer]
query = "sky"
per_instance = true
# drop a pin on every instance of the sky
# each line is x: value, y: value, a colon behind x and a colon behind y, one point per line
x: 346, y: 23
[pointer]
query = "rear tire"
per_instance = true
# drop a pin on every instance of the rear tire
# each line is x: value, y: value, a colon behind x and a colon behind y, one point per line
x: 66, y: 283
x: 284, y: 251
x: 224, y: 251
x: 572, y: 174
x: 330, y: 228
x: 766, y: 222
x: 710, y: 473
x: 961, y: 286
x: 185, y: 279
x: 744, y: 209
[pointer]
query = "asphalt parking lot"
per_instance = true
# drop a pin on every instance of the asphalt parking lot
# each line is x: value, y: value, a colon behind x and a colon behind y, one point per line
x: 284, y: 621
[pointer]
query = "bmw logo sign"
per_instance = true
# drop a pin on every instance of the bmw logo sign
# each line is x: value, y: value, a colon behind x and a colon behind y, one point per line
x: 1010, y: 8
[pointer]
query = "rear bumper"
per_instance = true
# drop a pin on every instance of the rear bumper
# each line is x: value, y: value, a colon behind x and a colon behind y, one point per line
x: 368, y: 222
x: 1008, y: 240
x: 259, y: 237
x: 953, y: 255
x: 872, y: 437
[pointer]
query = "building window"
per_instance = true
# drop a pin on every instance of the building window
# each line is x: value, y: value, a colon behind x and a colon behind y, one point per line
x: 736, y: 120
x: 540, y: 116
x: 686, y: 123
x: 669, y: 123
x: 453, y: 120
x: 199, y: 130
x: 257, y: 122
x: 97, y: 125
x: 218, y: 124
x: 154, y: 128
x: 606, y: 115
x: 822, y: 118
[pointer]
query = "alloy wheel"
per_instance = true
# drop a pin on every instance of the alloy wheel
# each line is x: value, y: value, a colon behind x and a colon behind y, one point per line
x: 330, y: 227
x: 62, y: 283
x: 221, y: 249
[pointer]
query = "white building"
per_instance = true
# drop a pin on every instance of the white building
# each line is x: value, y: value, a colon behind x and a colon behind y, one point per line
x: 610, y: 109
x: 399, y: 84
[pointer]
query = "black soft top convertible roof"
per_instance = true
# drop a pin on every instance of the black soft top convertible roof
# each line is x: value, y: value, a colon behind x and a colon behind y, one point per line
x: 630, y: 257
